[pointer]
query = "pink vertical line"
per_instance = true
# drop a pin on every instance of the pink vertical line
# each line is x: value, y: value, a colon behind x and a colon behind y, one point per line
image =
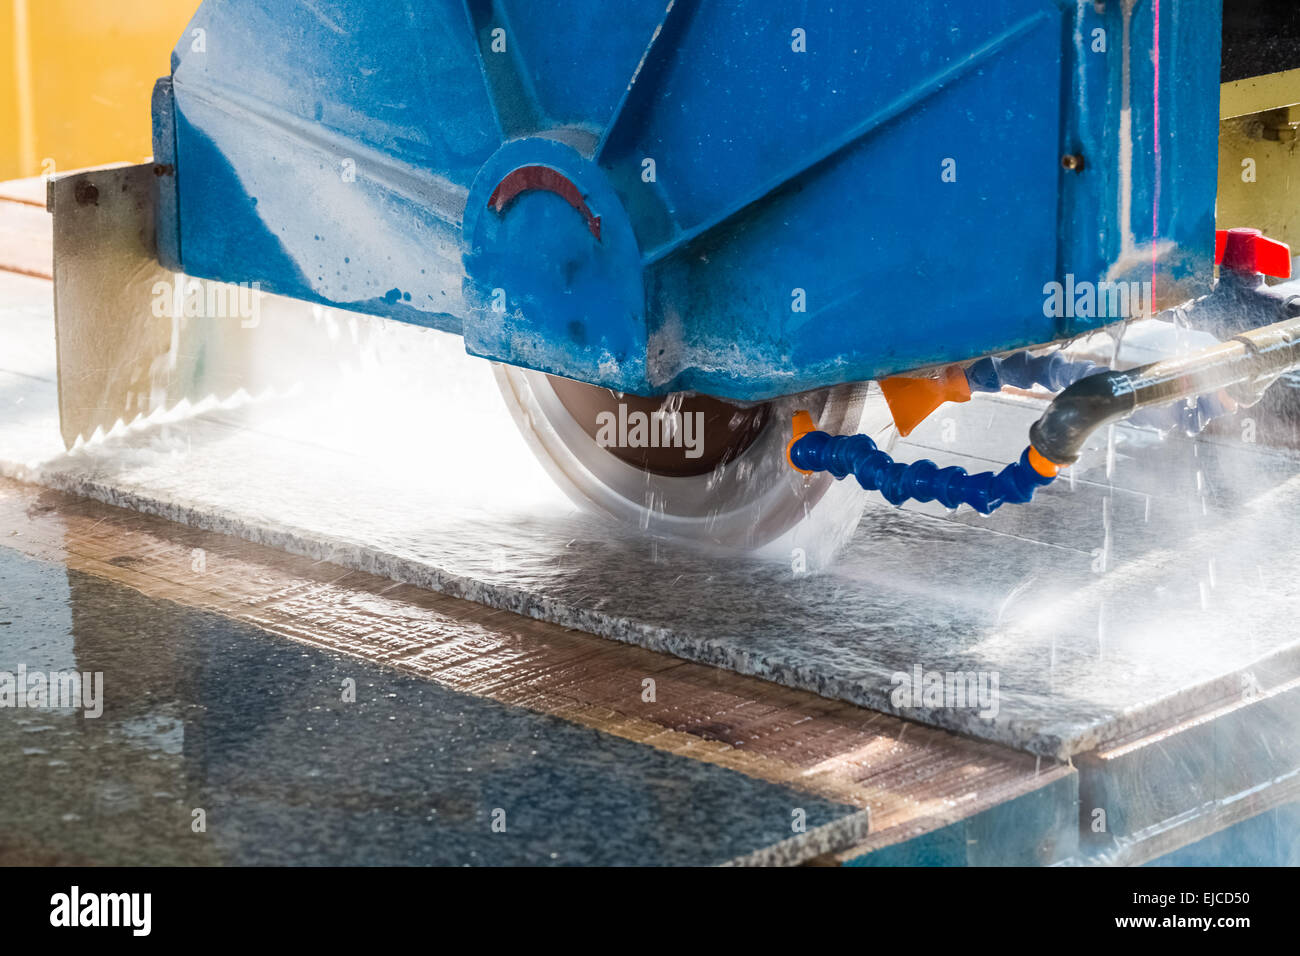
x: 1155, y: 140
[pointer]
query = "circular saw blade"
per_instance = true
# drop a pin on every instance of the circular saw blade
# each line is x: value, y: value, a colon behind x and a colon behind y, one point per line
x: 747, y: 498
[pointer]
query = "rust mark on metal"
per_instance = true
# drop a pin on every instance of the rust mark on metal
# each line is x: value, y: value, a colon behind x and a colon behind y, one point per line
x: 86, y: 193
x: 545, y: 179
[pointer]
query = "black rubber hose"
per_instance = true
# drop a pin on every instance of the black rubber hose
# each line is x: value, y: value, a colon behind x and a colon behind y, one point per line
x: 1255, y: 358
x: 1079, y: 411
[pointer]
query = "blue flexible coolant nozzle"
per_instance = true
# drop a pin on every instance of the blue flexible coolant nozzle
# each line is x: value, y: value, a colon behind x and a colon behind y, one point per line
x: 875, y: 470
x: 1025, y: 370
x: 922, y: 480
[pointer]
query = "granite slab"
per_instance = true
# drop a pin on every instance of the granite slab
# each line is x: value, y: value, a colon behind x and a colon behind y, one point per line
x: 1154, y: 580
x: 199, y: 712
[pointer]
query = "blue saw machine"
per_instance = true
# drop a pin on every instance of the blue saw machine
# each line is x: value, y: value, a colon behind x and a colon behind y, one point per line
x: 676, y: 223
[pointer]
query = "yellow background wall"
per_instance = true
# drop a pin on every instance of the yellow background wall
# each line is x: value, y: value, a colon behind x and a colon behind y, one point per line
x: 76, y: 78
x: 1268, y: 199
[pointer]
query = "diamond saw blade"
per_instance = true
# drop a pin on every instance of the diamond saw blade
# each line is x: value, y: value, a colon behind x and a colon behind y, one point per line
x: 695, y: 467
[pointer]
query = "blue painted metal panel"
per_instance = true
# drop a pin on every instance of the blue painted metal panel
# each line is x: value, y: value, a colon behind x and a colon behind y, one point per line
x: 796, y: 229
x: 1108, y: 213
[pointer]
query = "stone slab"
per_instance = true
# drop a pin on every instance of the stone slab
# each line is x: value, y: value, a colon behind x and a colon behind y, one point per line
x: 1151, y: 583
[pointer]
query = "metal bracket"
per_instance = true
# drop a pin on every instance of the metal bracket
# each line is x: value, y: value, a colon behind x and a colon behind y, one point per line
x: 133, y: 337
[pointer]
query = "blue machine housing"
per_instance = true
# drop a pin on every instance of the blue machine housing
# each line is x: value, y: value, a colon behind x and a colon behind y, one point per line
x: 729, y: 196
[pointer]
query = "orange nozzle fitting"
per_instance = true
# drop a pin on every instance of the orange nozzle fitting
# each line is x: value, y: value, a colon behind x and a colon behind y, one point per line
x: 802, y: 425
x: 1041, y: 465
x: 911, y: 400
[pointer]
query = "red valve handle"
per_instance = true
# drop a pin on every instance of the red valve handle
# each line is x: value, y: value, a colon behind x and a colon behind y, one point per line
x: 1249, y: 250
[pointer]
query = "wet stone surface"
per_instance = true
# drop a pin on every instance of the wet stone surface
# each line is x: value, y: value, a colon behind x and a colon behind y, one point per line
x: 1153, y: 580
x: 199, y: 712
